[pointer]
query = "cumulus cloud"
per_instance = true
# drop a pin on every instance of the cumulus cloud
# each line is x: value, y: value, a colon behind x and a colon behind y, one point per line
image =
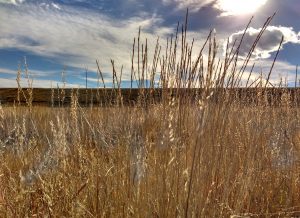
x: 268, y: 43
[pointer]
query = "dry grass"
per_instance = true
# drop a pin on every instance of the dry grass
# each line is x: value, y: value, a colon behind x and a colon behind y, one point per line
x: 185, y: 156
x: 167, y: 160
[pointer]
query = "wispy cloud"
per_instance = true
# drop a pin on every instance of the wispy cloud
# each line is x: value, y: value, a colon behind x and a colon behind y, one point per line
x: 41, y: 78
x: 268, y: 43
x: 282, y: 71
x: 225, y: 7
x: 193, y: 5
x: 75, y: 37
x: 37, y: 83
x: 15, y: 2
x: 8, y: 71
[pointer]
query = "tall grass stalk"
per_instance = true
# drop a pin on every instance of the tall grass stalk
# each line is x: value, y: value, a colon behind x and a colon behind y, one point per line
x: 190, y: 146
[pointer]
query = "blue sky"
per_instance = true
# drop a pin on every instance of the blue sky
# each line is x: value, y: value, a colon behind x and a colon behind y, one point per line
x: 62, y: 34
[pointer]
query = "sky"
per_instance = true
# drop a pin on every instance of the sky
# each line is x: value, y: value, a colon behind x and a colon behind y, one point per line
x: 55, y: 36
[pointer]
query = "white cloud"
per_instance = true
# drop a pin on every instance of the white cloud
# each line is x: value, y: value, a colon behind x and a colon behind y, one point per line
x: 15, y: 2
x: 193, y: 5
x: 41, y: 78
x: 76, y: 37
x: 8, y: 71
x: 226, y: 7
x: 50, y: 6
x: 282, y: 71
x: 37, y: 83
x: 238, y: 7
x: 268, y: 43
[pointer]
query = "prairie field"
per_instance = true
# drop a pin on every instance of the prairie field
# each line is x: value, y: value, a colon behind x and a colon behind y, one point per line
x: 170, y: 159
x: 197, y: 149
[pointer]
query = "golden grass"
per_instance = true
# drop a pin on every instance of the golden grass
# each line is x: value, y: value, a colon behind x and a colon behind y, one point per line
x: 191, y: 154
x: 211, y: 160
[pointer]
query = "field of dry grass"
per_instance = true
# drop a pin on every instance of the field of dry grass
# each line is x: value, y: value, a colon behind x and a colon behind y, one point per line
x: 170, y: 159
x: 190, y: 154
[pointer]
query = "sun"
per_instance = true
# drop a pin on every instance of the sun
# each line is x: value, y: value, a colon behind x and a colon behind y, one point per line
x: 240, y: 7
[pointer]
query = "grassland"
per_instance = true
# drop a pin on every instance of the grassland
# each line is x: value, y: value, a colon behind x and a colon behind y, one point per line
x: 169, y: 159
x: 189, y: 154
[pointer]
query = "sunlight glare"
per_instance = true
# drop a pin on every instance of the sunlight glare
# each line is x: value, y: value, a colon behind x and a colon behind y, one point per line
x: 240, y: 7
